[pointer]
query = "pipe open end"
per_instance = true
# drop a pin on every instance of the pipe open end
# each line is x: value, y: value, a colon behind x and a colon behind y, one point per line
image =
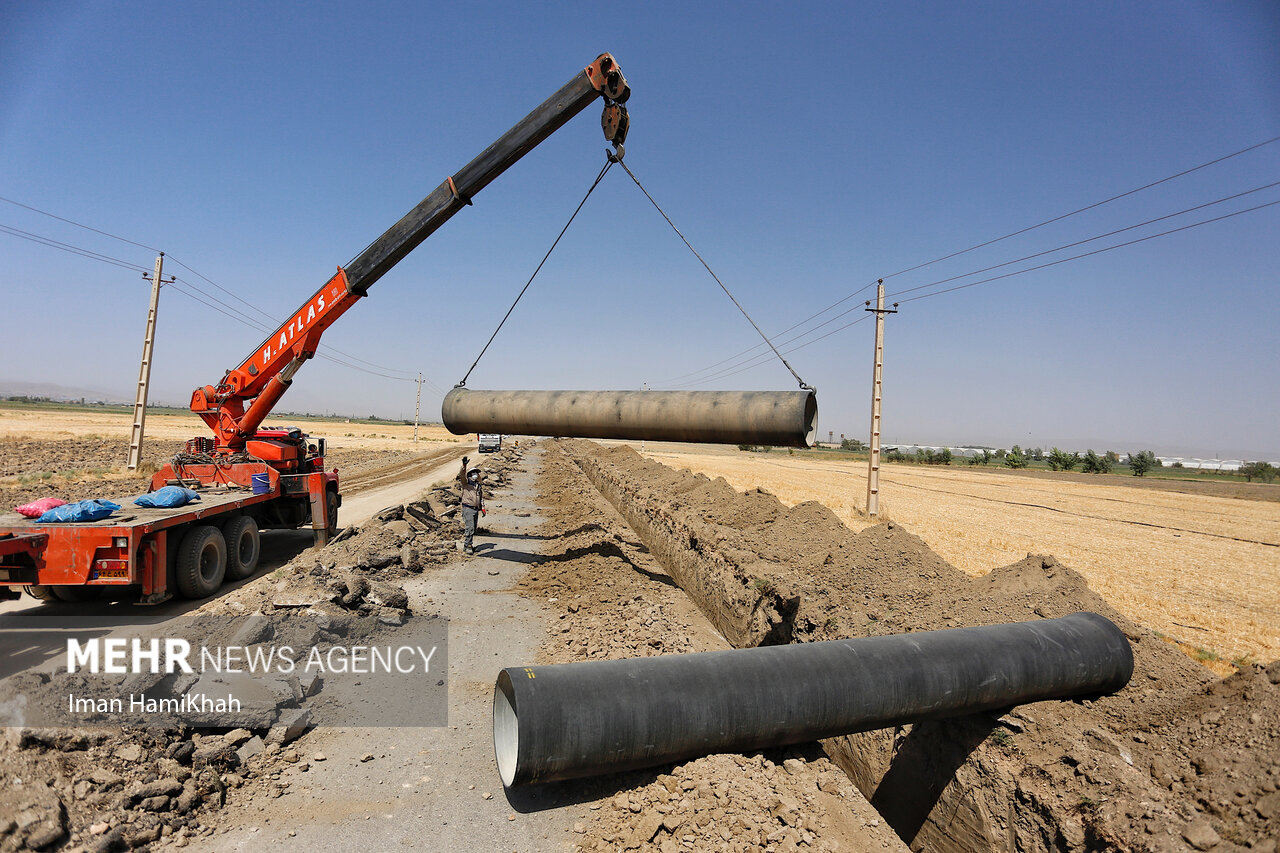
x: 506, y: 729
x: 811, y: 420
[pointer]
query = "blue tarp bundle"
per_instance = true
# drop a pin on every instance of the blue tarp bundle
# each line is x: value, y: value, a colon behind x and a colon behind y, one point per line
x: 79, y: 511
x: 169, y: 496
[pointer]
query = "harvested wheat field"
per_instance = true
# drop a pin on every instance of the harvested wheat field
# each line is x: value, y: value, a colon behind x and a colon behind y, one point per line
x: 38, y: 424
x: 1199, y: 568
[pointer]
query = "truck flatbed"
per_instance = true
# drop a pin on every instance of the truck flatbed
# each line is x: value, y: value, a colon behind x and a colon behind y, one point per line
x: 129, y: 547
x: 212, y: 502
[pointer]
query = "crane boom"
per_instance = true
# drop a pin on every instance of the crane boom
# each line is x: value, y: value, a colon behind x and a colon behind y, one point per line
x: 236, y: 406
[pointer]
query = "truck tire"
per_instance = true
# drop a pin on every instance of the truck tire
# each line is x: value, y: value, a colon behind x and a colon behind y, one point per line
x: 331, y: 509
x: 244, y: 546
x: 202, y: 562
x: 42, y: 593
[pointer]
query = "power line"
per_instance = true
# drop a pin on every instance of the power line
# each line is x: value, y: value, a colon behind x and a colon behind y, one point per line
x: 1182, y: 212
x: 236, y: 314
x: 765, y: 358
x: 74, y: 250
x: 757, y: 362
x: 1094, y: 252
x: 378, y: 369
x: 732, y: 298
x: 992, y: 241
x: 828, y: 334
x: 783, y: 332
x: 181, y: 286
x: 221, y: 307
x: 78, y: 224
x: 409, y: 376
x: 220, y: 287
x: 1089, y: 206
x: 230, y: 311
x: 202, y: 297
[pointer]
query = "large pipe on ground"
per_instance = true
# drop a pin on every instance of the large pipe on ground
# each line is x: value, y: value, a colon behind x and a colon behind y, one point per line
x: 777, y: 418
x: 581, y: 719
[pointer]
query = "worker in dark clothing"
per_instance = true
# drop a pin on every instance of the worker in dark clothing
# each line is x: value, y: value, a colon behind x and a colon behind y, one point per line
x: 472, y: 503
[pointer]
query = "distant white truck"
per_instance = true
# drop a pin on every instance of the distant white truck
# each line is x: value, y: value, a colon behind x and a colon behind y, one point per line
x: 490, y: 442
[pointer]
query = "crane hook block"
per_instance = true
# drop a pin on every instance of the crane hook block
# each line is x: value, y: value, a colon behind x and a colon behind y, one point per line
x: 606, y: 77
x: 615, y: 122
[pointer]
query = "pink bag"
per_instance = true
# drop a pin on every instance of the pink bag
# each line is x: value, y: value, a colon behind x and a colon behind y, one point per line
x: 35, y: 509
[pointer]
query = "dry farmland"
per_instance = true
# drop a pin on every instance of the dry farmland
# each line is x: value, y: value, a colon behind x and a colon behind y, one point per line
x: 1196, y: 567
x: 53, y: 424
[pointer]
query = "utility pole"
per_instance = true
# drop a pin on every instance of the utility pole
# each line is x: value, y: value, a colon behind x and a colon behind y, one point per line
x: 873, y: 462
x: 417, y: 407
x: 144, y: 372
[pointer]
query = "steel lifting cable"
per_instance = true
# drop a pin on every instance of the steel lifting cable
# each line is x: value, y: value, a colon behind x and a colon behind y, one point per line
x: 600, y: 177
x: 806, y: 386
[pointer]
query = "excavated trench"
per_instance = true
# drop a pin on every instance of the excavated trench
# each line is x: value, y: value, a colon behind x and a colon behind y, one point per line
x: 1138, y: 770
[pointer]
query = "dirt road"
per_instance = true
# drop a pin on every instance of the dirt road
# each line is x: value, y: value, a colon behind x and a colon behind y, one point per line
x: 367, y: 492
x: 427, y: 788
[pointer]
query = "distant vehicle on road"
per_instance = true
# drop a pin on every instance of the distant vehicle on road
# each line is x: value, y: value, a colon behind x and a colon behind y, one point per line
x: 490, y: 442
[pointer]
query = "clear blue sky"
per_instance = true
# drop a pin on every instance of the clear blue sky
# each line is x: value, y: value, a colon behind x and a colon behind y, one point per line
x: 804, y: 149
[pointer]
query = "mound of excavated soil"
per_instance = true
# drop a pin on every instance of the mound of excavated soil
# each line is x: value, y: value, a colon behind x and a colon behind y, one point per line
x: 1176, y: 760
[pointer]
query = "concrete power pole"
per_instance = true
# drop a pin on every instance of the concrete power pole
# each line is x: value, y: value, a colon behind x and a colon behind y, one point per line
x: 144, y: 372
x: 417, y: 407
x: 873, y: 461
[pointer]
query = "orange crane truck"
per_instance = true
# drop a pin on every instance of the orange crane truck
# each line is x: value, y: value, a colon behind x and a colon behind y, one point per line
x: 250, y: 477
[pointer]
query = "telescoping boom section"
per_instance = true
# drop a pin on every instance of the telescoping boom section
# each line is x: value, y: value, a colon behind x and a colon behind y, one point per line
x: 237, y: 405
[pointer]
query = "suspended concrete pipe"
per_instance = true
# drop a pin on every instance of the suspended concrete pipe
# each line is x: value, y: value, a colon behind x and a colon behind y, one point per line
x: 777, y: 418
x: 581, y: 719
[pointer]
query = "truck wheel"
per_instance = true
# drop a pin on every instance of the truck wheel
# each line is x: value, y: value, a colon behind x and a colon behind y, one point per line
x: 202, y: 562
x: 331, y: 509
x: 42, y: 593
x: 244, y: 546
